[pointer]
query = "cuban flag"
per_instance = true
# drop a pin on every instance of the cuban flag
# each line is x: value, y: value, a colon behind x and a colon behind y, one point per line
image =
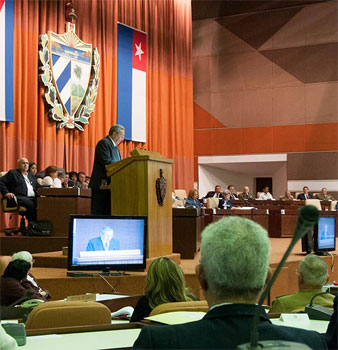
x: 6, y: 61
x: 132, y: 82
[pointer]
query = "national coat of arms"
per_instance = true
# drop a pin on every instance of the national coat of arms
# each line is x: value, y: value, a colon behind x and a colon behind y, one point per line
x: 69, y: 70
x: 161, y: 188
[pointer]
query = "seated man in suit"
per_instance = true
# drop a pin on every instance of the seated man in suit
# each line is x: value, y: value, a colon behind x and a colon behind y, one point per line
x: 265, y: 195
x: 305, y: 195
x: 287, y: 196
x: 22, y: 184
x: 105, y: 241
x: 233, y: 193
x: 232, y: 273
x: 323, y: 196
x: 312, y: 275
x: 245, y: 194
x: 215, y: 194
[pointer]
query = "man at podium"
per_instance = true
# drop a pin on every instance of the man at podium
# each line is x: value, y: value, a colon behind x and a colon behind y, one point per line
x: 105, y: 241
x: 106, y: 152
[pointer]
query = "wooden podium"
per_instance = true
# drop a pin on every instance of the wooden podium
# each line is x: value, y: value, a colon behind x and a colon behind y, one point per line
x: 133, y: 192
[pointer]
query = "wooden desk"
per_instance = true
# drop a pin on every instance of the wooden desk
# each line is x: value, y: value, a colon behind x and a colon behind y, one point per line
x: 56, y: 204
x: 187, y: 227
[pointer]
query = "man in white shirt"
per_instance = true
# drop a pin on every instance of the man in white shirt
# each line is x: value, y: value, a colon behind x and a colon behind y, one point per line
x: 21, y: 184
x: 265, y: 195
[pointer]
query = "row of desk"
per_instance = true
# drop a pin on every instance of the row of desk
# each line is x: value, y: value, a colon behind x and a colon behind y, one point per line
x: 279, y: 221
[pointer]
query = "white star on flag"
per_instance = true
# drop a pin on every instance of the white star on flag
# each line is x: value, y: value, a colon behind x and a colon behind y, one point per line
x: 139, y: 51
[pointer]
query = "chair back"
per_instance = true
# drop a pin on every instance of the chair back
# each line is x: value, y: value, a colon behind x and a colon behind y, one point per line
x: 333, y: 205
x: 314, y: 202
x: 212, y: 203
x: 258, y: 194
x: 181, y: 194
x: 181, y: 306
x: 54, y: 314
x: 4, y: 261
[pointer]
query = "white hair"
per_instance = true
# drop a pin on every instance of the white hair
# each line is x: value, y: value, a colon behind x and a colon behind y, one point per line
x: 235, y: 257
x: 314, y: 270
x: 23, y: 255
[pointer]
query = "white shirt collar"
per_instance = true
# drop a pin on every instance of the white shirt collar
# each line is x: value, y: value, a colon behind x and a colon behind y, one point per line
x: 112, y: 141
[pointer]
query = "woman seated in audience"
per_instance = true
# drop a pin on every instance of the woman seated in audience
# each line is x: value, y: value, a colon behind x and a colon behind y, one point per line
x: 33, y: 168
x: 51, y: 179
x: 13, y: 286
x: 72, y: 178
x: 165, y: 284
x: 192, y: 200
x: 225, y: 203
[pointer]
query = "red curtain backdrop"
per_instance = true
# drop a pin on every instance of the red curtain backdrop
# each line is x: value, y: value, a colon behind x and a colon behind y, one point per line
x: 169, y: 84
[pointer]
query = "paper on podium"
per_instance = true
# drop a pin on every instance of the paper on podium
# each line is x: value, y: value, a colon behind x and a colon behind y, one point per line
x: 177, y: 317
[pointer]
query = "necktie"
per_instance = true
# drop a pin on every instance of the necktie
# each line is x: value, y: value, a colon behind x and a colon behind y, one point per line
x: 106, y: 245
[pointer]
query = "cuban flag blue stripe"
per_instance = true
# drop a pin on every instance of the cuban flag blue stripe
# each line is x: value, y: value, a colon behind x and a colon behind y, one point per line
x: 64, y: 77
x: 55, y: 58
x: 124, y: 79
x: 68, y: 105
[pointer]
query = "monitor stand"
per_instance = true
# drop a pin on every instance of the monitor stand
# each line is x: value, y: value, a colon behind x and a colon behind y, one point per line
x: 86, y: 274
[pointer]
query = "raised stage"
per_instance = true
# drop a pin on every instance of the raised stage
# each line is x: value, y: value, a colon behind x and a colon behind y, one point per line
x: 54, y: 278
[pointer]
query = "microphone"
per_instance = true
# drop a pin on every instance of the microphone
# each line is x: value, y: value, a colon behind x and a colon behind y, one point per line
x: 318, y: 312
x: 308, y: 216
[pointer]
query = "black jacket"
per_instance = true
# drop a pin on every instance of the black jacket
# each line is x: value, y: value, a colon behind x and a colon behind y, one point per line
x: 212, y: 193
x: 14, y: 182
x: 224, y: 327
x: 105, y: 153
x: 301, y: 196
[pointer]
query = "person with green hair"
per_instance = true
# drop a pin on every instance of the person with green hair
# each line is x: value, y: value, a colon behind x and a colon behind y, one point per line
x: 165, y: 284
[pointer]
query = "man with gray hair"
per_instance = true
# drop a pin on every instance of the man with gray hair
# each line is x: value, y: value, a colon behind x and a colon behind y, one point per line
x: 30, y: 281
x: 232, y: 273
x: 106, y: 152
x: 20, y: 183
x: 312, y: 274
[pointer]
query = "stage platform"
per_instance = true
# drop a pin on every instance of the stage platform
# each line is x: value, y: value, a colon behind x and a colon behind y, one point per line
x: 55, y: 279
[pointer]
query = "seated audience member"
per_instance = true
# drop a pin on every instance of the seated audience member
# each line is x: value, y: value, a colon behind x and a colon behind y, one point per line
x: 232, y: 273
x: 265, y: 195
x: 82, y: 182
x: 225, y: 203
x: 165, y: 284
x: 22, y: 184
x: 51, y: 179
x: 33, y: 168
x: 105, y: 241
x: 331, y: 335
x: 305, y: 195
x: 323, y: 196
x: 7, y: 342
x: 287, y: 196
x: 73, y: 177
x: 245, y: 194
x: 215, y: 194
x: 13, y: 286
x: 30, y: 281
x: 312, y: 275
x: 192, y: 200
x: 233, y: 193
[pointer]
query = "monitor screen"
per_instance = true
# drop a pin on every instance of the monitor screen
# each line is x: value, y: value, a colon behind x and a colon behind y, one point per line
x: 107, y: 243
x: 324, y: 234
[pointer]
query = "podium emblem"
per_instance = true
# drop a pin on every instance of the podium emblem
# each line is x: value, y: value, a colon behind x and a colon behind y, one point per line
x: 161, y: 188
x: 70, y: 73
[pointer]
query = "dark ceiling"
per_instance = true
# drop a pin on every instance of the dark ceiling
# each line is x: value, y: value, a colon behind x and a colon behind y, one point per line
x: 218, y: 8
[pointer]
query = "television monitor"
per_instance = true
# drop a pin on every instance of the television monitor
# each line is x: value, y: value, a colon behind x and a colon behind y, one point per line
x: 324, y: 235
x: 105, y: 243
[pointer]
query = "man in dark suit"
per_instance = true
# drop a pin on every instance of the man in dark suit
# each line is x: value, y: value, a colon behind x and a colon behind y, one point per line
x: 105, y: 241
x: 106, y: 152
x: 232, y: 273
x: 305, y: 195
x: 215, y: 194
x: 21, y: 184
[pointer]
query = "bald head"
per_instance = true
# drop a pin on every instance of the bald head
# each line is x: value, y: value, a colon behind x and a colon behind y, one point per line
x: 23, y: 165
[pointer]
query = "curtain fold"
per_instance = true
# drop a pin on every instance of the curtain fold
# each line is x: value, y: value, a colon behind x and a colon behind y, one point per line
x: 169, y: 84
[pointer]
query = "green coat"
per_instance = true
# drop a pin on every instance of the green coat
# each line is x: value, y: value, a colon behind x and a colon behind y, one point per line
x: 297, y: 302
